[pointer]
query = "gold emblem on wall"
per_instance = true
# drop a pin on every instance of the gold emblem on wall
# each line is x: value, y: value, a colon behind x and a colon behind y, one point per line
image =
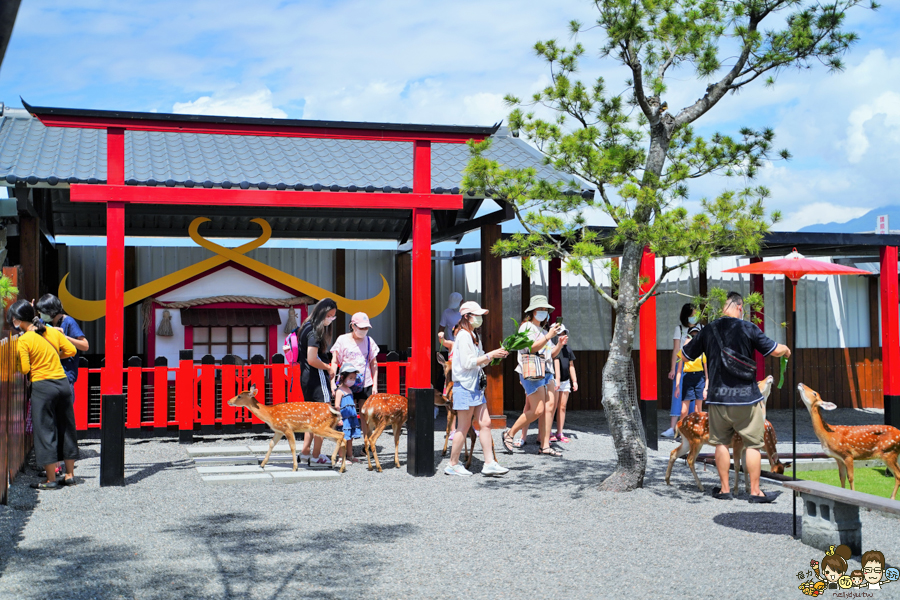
x: 91, y: 310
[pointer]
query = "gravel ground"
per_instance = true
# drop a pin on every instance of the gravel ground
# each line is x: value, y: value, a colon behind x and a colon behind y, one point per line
x: 543, y: 529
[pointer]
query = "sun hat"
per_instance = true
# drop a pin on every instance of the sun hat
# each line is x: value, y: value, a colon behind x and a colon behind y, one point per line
x: 471, y: 308
x: 563, y: 329
x: 455, y: 298
x: 348, y: 368
x: 360, y: 319
x: 539, y: 302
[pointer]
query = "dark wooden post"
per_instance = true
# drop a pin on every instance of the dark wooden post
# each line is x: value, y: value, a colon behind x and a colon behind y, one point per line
x: 340, y: 289
x: 112, y: 440
x: 526, y: 293
x: 492, y: 330
x: 757, y: 285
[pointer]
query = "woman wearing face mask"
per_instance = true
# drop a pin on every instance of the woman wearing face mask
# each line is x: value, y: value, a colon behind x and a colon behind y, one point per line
x: 540, y: 395
x: 314, y: 338
x: 681, y: 404
x: 358, y: 349
x: 40, y: 349
x: 469, y: 359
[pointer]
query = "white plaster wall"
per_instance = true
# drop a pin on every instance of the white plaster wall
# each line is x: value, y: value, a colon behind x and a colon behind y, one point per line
x: 226, y: 282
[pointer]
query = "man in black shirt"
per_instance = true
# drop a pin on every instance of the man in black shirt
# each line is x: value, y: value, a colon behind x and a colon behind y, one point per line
x: 734, y: 403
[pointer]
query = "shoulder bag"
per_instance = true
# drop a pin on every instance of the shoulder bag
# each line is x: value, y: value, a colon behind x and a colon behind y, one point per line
x: 734, y: 363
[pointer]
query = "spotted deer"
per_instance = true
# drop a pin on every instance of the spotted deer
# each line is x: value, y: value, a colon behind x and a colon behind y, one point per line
x: 445, y: 399
x: 694, y: 432
x: 846, y: 443
x: 379, y: 411
x: 317, y: 418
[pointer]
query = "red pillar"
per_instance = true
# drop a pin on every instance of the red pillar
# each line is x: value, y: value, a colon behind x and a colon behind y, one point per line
x: 420, y: 420
x: 648, y: 397
x: 757, y: 285
x: 890, y: 336
x: 555, y: 296
x: 115, y: 266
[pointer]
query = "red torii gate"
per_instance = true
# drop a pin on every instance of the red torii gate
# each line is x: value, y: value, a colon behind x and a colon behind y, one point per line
x: 421, y: 201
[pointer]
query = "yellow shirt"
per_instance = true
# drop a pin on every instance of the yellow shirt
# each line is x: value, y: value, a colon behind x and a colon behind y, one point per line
x: 41, y: 355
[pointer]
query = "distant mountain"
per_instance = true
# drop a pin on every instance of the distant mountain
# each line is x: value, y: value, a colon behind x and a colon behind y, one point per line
x: 863, y: 224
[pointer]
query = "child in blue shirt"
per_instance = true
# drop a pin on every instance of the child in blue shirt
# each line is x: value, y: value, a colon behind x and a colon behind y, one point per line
x: 343, y: 401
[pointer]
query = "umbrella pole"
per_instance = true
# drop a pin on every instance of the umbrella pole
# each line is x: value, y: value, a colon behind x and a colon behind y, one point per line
x: 794, y: 405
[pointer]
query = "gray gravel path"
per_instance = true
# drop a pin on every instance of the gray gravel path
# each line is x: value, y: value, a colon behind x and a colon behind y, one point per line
x: 542, y: 531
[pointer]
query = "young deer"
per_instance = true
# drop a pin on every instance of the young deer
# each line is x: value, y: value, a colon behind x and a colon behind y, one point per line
x: 694, y: 431
x: 846, y: 443
x: 379, y: 411
x: 446, y: 400
x: 317, y: 418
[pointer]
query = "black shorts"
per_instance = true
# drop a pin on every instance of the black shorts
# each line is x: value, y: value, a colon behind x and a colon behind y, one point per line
x: 362, y: 396
x: 315, y: 386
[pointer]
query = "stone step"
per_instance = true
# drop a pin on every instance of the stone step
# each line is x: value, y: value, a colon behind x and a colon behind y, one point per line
x: 246, y: 459
x: 239, y: 478
x: 228, y: 469
x: 202, y: 450
x: 304, y: 475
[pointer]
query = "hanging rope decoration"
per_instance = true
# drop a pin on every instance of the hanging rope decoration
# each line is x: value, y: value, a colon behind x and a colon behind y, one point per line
x: 165, y: 325
x: 147, y: 306
x: 291, y: 323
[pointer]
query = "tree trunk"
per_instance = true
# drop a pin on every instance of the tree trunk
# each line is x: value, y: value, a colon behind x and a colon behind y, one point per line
x: 624, y: 423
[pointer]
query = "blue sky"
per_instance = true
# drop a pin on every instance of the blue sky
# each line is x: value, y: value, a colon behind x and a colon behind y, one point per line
x: 443, y: 62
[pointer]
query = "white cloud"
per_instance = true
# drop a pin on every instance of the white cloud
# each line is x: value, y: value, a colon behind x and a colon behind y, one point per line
x: 253, y: 104
x: 886, y: 105
x: 816, y: 213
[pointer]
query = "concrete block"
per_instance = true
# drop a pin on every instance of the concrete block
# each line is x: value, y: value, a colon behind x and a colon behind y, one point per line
x: 226, y: 460
x: 217, y: 450
x: 238, y: 478
x: 304, y: 475
x: 828, y: 522
x: 280, y: 448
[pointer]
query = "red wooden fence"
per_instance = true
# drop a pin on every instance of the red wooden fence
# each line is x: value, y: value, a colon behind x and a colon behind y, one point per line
x: 199, y: 393
x: 14, y: 442
x: 849, y: 377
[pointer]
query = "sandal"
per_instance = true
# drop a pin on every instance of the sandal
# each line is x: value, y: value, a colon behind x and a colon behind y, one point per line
x: 508, y: 443
x: 46, y: 485
x: 548, y: 451
x: 553, y: 439
x: 562, y: 438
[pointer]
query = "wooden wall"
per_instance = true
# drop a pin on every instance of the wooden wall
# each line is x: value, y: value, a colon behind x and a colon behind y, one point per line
x: 849, y: 377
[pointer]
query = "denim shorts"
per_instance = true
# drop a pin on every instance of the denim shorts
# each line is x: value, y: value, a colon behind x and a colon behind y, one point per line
x: 531, y: 386
x: 692, y: 385
x: 676, y: 400
x: 464, y: 399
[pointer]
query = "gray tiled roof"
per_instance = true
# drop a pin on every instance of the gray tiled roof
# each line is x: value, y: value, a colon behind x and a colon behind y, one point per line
x: 31, y: 152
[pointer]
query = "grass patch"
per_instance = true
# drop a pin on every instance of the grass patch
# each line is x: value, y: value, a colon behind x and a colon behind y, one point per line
x: 870, y: 480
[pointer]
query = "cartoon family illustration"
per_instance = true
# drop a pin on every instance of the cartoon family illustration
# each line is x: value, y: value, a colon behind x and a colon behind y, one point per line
x: 833, y: 574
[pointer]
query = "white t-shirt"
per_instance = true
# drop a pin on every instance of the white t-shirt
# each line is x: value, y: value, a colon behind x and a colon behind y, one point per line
x: 465, y: 361
x: 449, y: 319
x: 534, y: 332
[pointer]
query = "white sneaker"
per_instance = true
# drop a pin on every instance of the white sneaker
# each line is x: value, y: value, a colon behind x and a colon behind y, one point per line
x: 457, y: 469
x: 494, y: 468
x: 304, y: 458
x: 321, y: 461
x: 668, y: 433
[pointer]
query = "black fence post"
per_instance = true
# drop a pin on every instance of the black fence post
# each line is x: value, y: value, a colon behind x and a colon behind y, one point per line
x: 419, y: 430
x: 112, y: 440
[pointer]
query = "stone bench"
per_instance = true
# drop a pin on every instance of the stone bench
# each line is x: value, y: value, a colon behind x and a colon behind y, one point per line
x: 831, y: 514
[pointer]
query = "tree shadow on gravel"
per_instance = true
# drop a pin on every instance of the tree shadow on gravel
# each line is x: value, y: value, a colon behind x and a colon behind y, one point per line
x: 252, y: 558
x: 145, y: 470
x: 771, y: 523
x: 68, y: 568
x: 21, y: 501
